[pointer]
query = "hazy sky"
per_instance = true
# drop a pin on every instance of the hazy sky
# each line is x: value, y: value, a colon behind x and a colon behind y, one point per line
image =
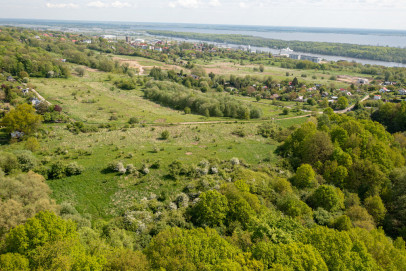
x: 381, y: 14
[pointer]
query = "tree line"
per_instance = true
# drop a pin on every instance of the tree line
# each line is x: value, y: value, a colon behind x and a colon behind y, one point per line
x: 215, y: 105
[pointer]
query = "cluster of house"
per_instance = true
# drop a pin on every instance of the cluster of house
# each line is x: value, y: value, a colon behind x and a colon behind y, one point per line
x: 386, y: 90
x: 156, y: 45
x: 331, y: 98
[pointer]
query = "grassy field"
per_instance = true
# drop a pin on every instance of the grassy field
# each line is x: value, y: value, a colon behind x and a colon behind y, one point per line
x: 229, y: 67
x: 99, y: 193
x: 93, y: 99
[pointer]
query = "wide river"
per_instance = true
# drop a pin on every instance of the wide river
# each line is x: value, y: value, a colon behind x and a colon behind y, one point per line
x: 391, y: 38
x: 324, y: 57
x: 375, y: 38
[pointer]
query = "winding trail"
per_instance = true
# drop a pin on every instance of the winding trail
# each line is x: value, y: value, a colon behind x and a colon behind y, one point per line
x: 42, y: 99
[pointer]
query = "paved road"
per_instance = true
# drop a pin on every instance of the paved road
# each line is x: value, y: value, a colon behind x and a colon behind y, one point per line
x: 351, y: 107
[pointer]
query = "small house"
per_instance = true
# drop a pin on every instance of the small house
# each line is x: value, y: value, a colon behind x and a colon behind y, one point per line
x: 377, y: 97
x: 402, y: 91
x: 10, y: 79
x: 363, y: 81
x: 17, y: 134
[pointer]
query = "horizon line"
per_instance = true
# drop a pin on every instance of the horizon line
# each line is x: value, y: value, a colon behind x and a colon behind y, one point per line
x: 202, y: 24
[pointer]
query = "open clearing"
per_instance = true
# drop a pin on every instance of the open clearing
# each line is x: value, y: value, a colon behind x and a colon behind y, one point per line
x: 93, y: 99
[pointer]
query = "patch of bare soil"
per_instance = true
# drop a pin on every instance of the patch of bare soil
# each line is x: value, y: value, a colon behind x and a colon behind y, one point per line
x: 347, y: 79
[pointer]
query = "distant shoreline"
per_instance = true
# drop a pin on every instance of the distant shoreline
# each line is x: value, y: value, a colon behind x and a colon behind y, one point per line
x: 333, y: 30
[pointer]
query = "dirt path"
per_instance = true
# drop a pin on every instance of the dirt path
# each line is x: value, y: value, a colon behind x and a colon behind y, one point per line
x: 240, y: 121
x: 42, y: 99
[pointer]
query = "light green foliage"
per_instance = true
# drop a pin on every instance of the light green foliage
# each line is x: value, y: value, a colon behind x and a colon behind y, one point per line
x: 327, y: 197
x: 45, y: 227
x: 293, y: 256
x: 338, y: 250
x: 242, y: 205
x: 22, y: 119
x: 293, y: 206
x: 342, y: 102
x: 13, y: 262
x: 126, y: 260
x: 32, y: 144
x: 304, y: 176
x: 376, y: 208
x: 339, y: 135
x: 242, y: 186
x: 211, y: 209
x: 343, y: 159
x: 50, y: 243
x: 342, y: 223
x: 334, y: 173
x: 275, y: 227
x: 381, y: 248
x: 197, y: 249
x: 64, y: 254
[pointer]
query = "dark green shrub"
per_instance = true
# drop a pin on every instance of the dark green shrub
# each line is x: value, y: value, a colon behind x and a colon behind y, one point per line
x: 57, y: 170
x: 133, y: 120
x: 165, y: 135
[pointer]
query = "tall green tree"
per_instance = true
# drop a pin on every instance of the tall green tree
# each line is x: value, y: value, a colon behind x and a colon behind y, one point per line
x: 22, y: 119
x: 211, y: 209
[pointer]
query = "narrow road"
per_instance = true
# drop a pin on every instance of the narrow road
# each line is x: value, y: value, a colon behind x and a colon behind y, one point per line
x: 351, y: 107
